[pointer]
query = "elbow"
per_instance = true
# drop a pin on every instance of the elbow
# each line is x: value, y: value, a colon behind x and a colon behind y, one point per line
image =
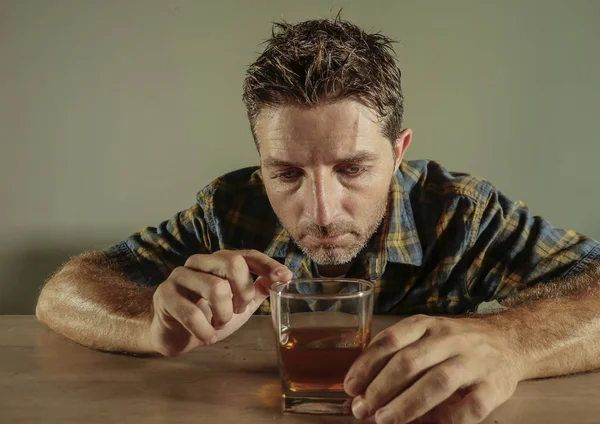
x: 50, y: 296
x: 39, y: 313
x: 55, y: 297
x: 53, y: 292
x: 42, y: 307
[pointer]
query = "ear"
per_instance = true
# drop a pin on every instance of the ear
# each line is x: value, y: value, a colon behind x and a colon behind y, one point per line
x: 400, y: 146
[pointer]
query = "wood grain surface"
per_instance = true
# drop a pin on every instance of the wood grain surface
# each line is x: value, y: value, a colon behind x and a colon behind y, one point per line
x: 46, y: 378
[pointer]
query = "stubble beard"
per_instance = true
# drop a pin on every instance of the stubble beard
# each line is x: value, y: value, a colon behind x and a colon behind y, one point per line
x: 333, y: 254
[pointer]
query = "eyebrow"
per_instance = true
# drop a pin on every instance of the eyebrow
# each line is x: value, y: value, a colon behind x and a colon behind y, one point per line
x: 276, y: 163
x: 360, y: 157
x: 357, y: 158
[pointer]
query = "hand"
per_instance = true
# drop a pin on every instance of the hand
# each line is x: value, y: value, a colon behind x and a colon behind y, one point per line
x: 210, y: 297
x: 434, y: 369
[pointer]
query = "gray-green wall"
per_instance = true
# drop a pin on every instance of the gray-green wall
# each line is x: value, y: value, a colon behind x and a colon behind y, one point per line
x: 114, y: 113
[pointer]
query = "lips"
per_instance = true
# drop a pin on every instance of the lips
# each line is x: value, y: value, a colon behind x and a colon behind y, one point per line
x: 327, y: 240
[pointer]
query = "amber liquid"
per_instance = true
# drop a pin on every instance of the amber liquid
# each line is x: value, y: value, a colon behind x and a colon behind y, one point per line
x: 319, y: 358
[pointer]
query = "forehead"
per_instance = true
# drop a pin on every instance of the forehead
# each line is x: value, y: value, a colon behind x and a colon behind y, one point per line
x: 319, y: 133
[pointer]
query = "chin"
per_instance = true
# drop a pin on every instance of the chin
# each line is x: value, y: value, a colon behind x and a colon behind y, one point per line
x: 332, y: 255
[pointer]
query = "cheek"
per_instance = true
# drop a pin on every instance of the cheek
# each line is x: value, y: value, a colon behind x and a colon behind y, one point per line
x: 286, y: 205
x: 366, y: 196
x: 359, y: 205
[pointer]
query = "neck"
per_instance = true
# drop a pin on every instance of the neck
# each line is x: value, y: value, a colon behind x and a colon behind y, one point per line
x: 330, y: 271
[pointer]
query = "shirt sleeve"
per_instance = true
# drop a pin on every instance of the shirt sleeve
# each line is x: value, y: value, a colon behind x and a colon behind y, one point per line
x: 513, y: 249
x: 148, y: 256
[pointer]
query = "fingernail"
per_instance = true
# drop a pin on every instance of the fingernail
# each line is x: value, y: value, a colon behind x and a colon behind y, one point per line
x: 280, y: 272
x: 240, y: 310
x: 214, y: 339
x: 217, y: 325
x: 359, y: 410
x: 350, y: 386
x: 383, y: 416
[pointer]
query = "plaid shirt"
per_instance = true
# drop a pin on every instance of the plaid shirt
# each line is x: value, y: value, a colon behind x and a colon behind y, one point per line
x: 449, y: 241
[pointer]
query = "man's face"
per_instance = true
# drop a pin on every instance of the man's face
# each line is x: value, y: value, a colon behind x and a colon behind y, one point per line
x: 327, y: 171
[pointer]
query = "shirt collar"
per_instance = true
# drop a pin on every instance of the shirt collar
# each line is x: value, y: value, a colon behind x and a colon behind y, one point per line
x: 402, y: 243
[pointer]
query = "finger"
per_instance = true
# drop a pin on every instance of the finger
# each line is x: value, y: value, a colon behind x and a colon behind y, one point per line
x: 216, y: 291
x: 235, y: 266
x: 437, y: 385
x: 186, y: 313
x: 474, y: 407
x: 403, y: 369
x: 265, y: 266
x: 383, y: 346
x: 232, y: 267
x: 263, y: 287
x: 261, y: 293
x: 238, y: 320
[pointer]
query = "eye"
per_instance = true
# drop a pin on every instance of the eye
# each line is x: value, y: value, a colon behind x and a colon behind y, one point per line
x: 289, y: 175
x: 353, y: 170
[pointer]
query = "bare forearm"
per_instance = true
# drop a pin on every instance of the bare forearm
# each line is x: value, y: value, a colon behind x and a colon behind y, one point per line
x: 91, y: 303
x: 556, y: 327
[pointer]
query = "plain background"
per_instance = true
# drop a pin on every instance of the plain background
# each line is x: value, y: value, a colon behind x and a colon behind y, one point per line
x: 114, y: 113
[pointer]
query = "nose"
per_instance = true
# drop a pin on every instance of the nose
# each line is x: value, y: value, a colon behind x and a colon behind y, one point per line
x: 324, y: 198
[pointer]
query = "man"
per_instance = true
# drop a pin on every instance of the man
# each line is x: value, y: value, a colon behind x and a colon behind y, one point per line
x: 334, y: 197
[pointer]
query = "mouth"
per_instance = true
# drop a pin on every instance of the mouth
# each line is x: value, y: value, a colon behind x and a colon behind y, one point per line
x: 327, y: 240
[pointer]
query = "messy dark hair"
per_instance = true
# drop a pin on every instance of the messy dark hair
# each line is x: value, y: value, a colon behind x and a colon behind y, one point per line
x: 322, y: 61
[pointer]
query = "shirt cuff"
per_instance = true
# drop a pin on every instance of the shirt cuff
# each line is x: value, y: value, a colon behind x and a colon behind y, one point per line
x: 123, y: 256
x: 592, y: 256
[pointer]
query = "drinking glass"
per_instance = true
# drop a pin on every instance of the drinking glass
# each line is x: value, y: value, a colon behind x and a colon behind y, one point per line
x: 321, y: 326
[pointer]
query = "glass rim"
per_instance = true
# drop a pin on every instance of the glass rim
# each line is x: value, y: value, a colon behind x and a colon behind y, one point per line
x: 338, y: 296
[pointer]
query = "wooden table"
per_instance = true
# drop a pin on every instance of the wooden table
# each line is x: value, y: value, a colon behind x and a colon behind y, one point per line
x: 45, y: 378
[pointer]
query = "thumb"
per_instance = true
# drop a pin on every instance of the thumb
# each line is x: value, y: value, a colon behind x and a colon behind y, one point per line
x: 261, y: 292
x: 262, y: 285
